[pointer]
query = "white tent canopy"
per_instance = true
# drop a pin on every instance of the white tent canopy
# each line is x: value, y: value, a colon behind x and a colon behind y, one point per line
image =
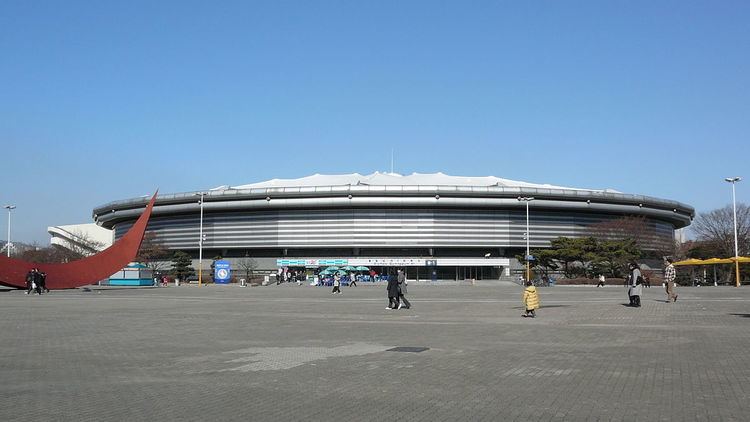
x: 395, y: 179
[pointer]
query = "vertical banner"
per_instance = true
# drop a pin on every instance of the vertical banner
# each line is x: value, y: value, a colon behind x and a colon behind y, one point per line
x: 222, y: 272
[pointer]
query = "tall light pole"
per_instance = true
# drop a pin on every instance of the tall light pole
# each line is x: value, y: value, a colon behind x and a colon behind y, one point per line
x: 527, y: 199
x: 200, y: 243
x: 733, y: 181
x: 9, y: 245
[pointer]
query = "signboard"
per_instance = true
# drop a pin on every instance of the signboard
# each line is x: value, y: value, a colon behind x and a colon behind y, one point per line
x: 311, y: 262
x: 222, y: 272
x: 393, y: 262
x: 388, y: 262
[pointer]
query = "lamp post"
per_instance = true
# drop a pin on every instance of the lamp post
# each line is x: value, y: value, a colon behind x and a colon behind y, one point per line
x: 200, y: 242
x: 9, y: 245
x: 733, y: 181
x: 527, y: 199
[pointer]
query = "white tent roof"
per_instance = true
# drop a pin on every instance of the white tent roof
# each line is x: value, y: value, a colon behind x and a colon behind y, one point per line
x: 395, y: 179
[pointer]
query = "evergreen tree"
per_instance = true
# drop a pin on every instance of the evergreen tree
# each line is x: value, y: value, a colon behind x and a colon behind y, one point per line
x: 182, y: 266
x: 586, y: 256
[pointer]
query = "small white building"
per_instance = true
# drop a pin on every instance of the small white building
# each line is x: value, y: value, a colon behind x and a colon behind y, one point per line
x: 86, y: 238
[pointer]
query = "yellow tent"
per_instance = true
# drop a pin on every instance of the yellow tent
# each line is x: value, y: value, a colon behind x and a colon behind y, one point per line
x: 712, y: 261
x: 691, y: 261
x: 718, y: 261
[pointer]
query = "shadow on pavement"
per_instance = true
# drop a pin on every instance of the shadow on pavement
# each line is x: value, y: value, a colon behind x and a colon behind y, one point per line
x: 546, y: 306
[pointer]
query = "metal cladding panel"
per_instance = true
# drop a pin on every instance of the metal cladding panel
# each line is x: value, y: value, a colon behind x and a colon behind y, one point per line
x: 395, y: 227
x: 421, y: 197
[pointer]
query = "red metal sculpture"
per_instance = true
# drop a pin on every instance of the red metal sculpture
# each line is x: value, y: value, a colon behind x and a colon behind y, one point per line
x: 83, y: 271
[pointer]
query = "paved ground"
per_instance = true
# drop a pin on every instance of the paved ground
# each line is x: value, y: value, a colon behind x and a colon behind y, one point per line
x: 285, y: 352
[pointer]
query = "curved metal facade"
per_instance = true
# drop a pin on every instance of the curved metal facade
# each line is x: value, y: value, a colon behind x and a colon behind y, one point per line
x: 387, y: 228
x: 389, y: 217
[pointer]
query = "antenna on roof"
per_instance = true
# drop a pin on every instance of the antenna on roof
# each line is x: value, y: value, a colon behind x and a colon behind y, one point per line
x: 391, y: 160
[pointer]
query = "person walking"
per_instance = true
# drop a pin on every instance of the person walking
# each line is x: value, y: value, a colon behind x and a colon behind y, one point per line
x: 669, y: 277
x: 336, y: 284
x: 392, y: 290
x: 530, y: 300
x: 30, y: 280
x: 601, y: 281
x: 43, y: 282
x: 37, y: 281
x: 352, y: 279
x: 635, y: 289
x: 402, y: 283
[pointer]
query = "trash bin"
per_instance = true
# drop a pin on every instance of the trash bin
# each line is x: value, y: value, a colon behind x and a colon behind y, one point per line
x: 243, y: 282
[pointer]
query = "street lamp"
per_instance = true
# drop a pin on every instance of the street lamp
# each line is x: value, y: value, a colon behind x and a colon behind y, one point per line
x: 527, y: 199
x: 9, y: 245
x: 733, y: 181
x: 200, y: 242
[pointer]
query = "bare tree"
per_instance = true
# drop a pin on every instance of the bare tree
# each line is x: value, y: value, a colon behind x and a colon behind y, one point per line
x: 625, y: 228
x: 635, y: 228
x: 82, y: 244
x: 54, y: 254
x: 717, y: 228
x: 249, y: 265
x: 153, y: 253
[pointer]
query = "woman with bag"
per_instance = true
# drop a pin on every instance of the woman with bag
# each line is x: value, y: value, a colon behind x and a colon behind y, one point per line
x: 635, y: 289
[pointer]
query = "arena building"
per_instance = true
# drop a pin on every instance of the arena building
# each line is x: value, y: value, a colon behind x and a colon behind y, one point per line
x: 435, y: 225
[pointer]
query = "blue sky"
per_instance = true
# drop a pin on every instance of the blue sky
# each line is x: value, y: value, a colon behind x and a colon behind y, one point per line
x: 102, y: 101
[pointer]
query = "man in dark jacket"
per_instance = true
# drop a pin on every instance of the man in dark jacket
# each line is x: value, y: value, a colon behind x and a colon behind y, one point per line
x: 402, y: 289
x: 43, y: 282
x: 392, y: 290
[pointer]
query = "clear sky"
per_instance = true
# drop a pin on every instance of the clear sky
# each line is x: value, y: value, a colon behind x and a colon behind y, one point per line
x: 107, y: 100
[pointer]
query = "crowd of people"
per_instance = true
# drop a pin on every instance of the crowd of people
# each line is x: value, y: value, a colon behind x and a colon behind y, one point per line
x: 326, y: 279
x: 635, y: 281
x: 396, y: 288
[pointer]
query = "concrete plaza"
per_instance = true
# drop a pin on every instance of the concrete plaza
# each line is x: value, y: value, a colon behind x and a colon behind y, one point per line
x: 287, y: 352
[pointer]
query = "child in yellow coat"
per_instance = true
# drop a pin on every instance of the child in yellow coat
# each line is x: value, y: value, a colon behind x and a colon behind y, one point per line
x: 530, y: 300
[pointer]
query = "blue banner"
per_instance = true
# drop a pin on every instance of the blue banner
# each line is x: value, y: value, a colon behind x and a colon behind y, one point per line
x: 222, y: 272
